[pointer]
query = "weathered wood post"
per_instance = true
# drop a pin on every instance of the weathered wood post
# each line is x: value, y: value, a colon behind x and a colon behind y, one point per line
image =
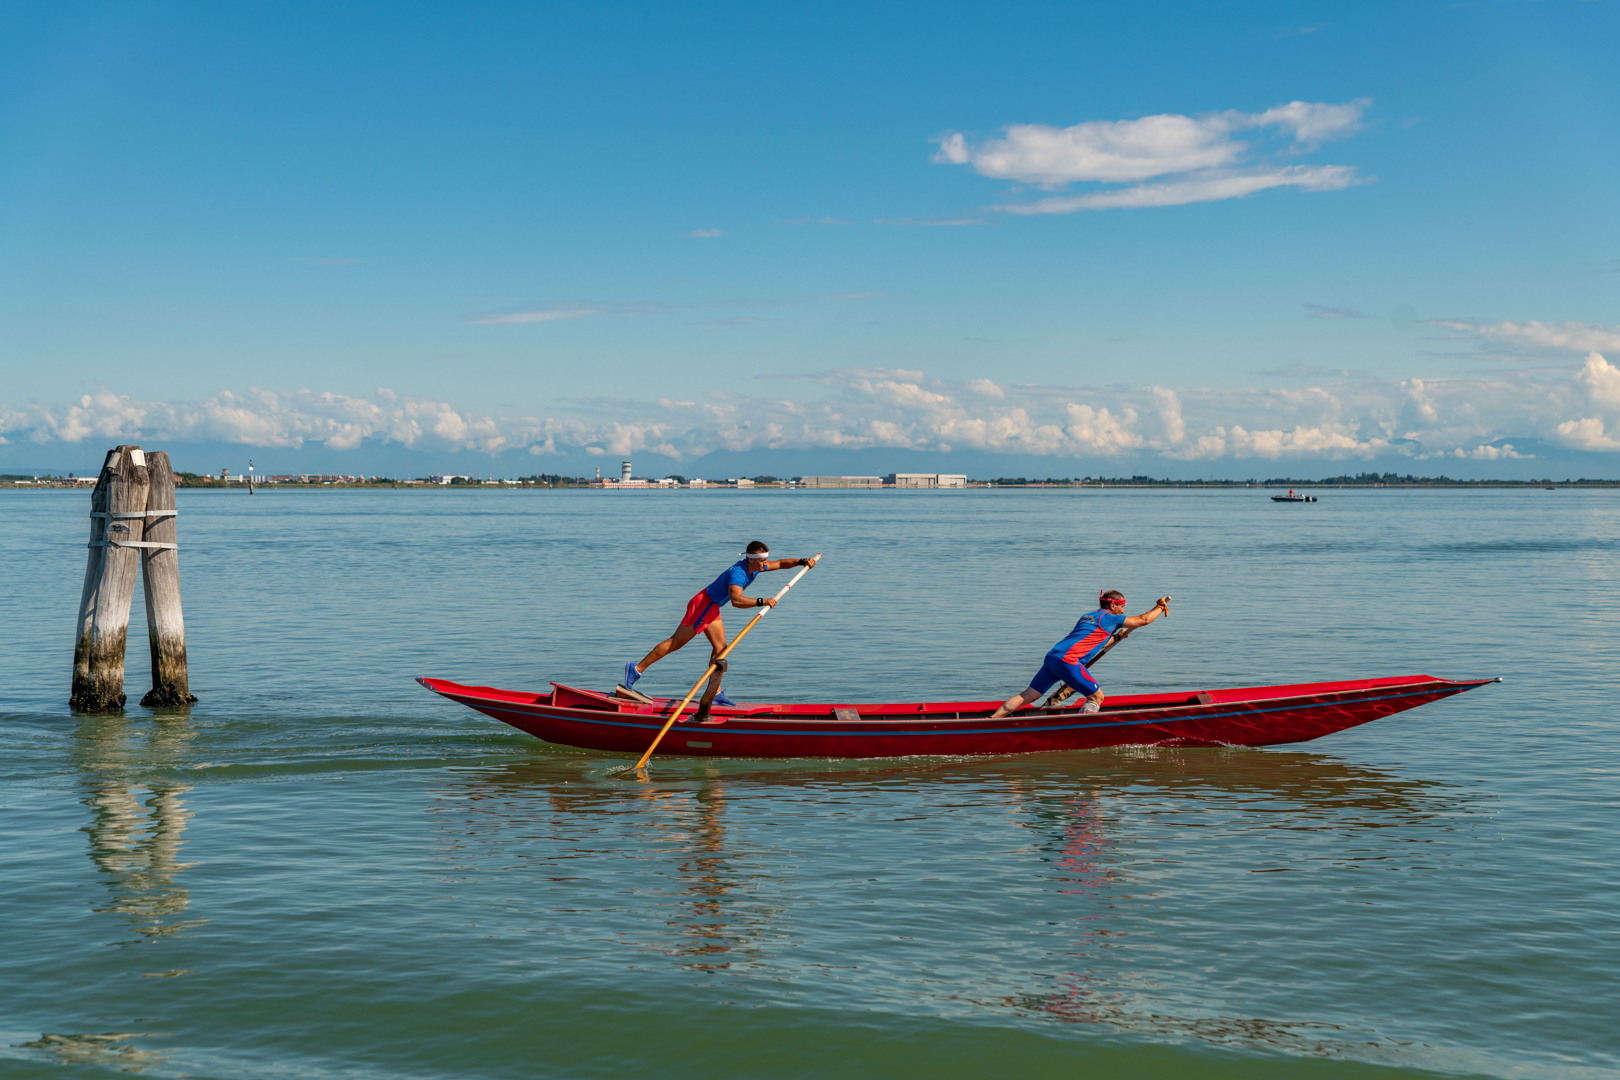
x: 160, y: 574
x: 117, y: 517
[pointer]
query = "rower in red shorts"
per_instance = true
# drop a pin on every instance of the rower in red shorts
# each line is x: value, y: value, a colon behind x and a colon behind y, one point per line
x: 703, y: 612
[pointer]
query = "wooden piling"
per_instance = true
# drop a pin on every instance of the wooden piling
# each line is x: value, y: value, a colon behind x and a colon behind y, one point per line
x: 160, y: 574
x: 117, y: 515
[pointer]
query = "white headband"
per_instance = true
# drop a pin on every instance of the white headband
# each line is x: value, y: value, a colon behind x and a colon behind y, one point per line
x: 755, y: 554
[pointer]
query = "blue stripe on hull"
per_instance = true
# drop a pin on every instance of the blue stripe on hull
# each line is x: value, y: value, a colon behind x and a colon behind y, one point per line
x: 655, y: 725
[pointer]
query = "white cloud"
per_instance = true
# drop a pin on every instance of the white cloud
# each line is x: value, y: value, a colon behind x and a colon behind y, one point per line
x: 1586, y: 434
x: 1315, y: 122
x: 1200, y: 154
x: 1599, y: 383
x: 1562, y: 336
x: 1211, y: 186
x: 540, y: 315
x: 265, y: 418
x: 1120, y: 151
x: 704, y: 234
x: 1111, y: 151
x: 1490, y: 453
x: 1355, y: 419
x: 1173, y: 425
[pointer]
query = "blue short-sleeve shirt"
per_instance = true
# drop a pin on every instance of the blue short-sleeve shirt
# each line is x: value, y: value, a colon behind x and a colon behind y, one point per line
x: 1089, y: 635
x: 736, y: 574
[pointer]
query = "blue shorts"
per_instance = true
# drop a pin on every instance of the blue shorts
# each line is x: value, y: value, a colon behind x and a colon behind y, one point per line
x: 1054, y: 671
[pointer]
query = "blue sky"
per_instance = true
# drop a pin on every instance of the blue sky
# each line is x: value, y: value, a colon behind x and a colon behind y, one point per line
x: 674, y: 230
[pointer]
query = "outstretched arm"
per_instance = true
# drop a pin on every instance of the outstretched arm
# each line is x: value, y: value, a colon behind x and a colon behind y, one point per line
x: 742, y: 601
x: 1160, y: 608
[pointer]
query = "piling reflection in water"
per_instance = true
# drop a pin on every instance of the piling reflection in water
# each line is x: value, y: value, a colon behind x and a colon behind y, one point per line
x: 137, y: 819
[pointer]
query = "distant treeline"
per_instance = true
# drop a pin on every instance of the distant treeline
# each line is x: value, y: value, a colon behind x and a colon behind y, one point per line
x: 1358, y: 480
x: 554, y: 480
x: 1364, y: 480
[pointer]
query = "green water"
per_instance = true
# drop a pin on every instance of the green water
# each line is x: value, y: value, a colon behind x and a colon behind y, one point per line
x: 322, y: 870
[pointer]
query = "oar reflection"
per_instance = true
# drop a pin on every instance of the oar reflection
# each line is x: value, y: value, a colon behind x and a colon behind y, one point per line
x: 680, y: 860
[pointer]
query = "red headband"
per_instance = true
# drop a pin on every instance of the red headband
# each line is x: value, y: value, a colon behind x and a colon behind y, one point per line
x: 1104, y: 600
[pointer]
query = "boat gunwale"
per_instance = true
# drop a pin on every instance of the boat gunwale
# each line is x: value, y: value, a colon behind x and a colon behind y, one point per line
x: 831, y: 725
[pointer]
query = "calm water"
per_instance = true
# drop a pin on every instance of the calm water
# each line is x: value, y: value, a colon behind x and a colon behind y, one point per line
x: 324, y: 871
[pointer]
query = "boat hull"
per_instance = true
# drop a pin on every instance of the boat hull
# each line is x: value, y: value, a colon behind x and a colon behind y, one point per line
x: 1246, y: 716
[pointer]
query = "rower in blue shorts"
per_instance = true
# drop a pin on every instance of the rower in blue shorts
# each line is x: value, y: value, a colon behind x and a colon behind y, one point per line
x: 1066, y: 661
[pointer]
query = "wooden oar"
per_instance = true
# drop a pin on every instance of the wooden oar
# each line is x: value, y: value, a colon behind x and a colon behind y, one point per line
x: 690, y: 694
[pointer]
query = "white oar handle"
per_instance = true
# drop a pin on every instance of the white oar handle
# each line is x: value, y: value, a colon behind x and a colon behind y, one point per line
x: 778, y: 597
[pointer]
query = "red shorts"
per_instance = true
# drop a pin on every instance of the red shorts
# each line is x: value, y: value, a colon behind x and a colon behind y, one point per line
x: 700, y: 611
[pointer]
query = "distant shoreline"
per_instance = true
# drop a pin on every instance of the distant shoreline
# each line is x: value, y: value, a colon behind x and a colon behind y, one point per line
x: 982, y: 485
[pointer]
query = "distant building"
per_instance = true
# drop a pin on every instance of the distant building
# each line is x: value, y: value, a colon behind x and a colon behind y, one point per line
x: 912, y: 480
x: 638, y: 482
x: 624, y: 473
x: 953, y: 480
x: 742, y: 482
x: 841, y: 481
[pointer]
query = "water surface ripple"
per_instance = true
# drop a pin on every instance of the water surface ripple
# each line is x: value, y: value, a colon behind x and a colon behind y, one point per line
x: 321, y: 870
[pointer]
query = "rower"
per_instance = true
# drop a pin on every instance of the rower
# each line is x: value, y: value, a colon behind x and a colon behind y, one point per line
x: 1066, y: 661
x: 703, y: 610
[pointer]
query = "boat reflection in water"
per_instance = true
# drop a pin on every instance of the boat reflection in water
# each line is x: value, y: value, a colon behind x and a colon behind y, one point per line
x: 680, y: 866
x: 1084, y: 888
x: 1101, y: 983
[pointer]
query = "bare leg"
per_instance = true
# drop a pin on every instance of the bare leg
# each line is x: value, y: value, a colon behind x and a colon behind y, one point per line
x: 716, y: 633
x: 1029, y: 697
x: 1016, y: 702
x: 682, y: 635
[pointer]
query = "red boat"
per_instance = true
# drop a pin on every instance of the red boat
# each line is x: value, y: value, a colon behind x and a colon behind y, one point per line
x: 1247, y: 716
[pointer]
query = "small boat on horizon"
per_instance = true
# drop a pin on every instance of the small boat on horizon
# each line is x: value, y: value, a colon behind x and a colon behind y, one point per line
x: 1244, y: 716
x: 1291, y: 497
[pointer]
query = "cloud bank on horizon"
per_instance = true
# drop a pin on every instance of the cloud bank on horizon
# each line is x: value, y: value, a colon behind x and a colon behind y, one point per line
x: 862, y: 408
x: 1164, y: 160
